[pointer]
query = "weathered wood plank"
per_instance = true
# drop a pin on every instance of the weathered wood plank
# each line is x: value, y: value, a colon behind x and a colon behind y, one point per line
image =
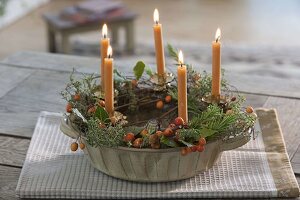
x: 13, y: 150
x: 265, y: 85
x: 60, y: 62
x: 40, y: 91
x: 18, y: 124
x: 20, y: 108
x: 8, y: 182
x: 255, y: 101
x: 288, y: 114
x: 50, y: 61
x: 11, y: 76
x: 248, y: 77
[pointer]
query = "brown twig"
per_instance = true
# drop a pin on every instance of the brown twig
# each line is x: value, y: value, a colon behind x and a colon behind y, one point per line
x: 168, y: 112
x: 161, y: 117
x: 138, y: 122
x: 142, y: 103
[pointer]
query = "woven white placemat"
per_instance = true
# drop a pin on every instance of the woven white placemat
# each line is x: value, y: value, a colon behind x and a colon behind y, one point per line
x: 51, y: 170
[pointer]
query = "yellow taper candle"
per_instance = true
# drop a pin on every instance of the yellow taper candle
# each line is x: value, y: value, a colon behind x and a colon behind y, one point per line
x: 216, y: 66
x: 109, y: 82
x: 182, y: 89
x: 159, y: 47
x: 104, y: 43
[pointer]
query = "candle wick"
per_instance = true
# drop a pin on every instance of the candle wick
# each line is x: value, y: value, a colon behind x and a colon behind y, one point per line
x: 104, y: 36
x: 156, y: 22
x: 109, y: 56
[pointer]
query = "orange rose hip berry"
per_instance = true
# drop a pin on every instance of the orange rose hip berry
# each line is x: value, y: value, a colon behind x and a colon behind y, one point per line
x: 74, y: 146
x: 69, y: 108
x: 249, y: 109
x: 76, y: 97
x: 159, y: 104
x: 129, y: 137
x: 168, y: 98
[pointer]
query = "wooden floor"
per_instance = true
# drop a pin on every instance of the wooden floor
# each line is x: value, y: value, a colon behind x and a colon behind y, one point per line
x: 30, y: 82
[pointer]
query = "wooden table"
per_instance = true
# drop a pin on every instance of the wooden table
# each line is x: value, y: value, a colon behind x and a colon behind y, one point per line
x: 65, y: 28
x: 30, y: 82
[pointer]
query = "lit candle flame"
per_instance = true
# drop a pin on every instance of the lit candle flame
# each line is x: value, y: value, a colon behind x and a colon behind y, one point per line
x: 180, y: 57
x: 218, y: 35
x: 104, y: 31
x: 109, y: 52
x: 156, y: 16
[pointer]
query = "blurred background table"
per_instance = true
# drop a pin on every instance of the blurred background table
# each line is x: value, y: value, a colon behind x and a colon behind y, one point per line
x: 89, y: 16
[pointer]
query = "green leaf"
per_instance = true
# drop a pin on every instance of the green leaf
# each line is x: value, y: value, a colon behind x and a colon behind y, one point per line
x: 139, y: 69
x: 169, y: 142
x: 173, y: 52
x: 134, y: 129
x: 102, y: 115
x: 118, y: 76
x: 205, y: 132
x: 148, y: 71
x: 186, y: 143
x: 173, y: 93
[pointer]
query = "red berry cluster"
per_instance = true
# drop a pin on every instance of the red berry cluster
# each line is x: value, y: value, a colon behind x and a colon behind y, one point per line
x: 199, y: 147
x: 154, y: 138
x: 91, y: 109
x: 170, y: 132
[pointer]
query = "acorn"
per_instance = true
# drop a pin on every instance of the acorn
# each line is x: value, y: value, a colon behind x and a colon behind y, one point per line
x: 233, y: 98
x: 74, y: 146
